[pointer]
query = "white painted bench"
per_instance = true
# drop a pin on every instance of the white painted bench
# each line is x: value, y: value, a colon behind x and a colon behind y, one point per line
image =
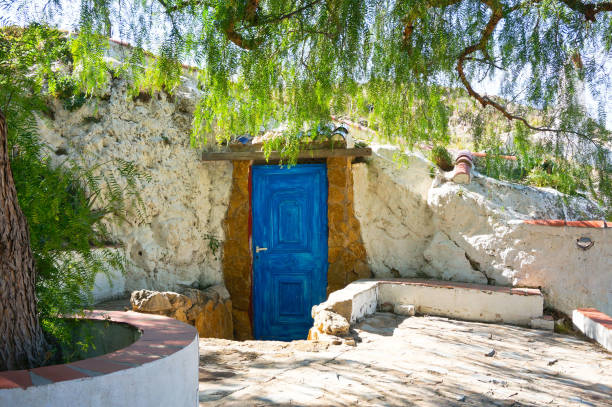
x: 472, y: 302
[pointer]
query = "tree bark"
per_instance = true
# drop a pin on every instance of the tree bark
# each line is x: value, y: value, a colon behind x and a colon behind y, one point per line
x: 22, y: 343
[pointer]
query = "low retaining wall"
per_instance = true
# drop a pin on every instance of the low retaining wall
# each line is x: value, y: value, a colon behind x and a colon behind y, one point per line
x: 471, y: 302
x: 160, y: 368
x: 594, y: 324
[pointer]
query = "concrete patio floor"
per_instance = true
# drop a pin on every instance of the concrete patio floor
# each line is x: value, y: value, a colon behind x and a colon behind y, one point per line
x: 415, y: 361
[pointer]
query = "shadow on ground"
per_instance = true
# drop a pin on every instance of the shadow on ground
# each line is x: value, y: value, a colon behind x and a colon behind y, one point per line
x: 418, y: 361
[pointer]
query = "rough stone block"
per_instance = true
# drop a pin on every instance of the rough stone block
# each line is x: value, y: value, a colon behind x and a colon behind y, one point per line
x: 335, y: 239
x: 336, y: 194
x: 331, y: 323
x: 335, y: 214
x: 234, y: 232
x: 216, y: 320
x: 209, y: 310
x: 237, y: 252
x: 337, y: 177
x: 349, y: 259
x: 240, y: 291
x: 354, y: 231
x: 343, y: 227
x: 336, y: 274
x: 334, y: 254
x: 235, y: 209
x: 150, y: 301
x: 358, y: 250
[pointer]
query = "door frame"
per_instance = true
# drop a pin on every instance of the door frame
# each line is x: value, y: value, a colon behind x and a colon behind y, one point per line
x: 347, y: 257
x: 323, y: 187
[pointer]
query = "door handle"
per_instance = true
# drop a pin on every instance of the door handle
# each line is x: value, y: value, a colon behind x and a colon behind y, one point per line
x: 260, y: 249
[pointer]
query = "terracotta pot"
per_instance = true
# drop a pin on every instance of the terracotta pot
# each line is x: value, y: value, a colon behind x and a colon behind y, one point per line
x: 462, y: 174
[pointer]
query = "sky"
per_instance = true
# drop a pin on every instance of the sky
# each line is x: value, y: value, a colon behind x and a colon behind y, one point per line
x: 69, y: 17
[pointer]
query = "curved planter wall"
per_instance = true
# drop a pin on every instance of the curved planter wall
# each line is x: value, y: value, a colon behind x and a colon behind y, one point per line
x: 160, y: 368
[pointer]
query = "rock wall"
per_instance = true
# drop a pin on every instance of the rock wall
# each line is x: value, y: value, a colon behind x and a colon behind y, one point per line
x: 237, y: 256
x: 186, y: 199
x: 346, y: 251
x: 412, y: 224
x: 391, y: 205
x: 415, y: 224
x: 209, y: 310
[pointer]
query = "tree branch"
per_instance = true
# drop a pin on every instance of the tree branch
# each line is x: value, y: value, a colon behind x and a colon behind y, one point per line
x: 251, y: 17
x: 251, y: 11
x: 238, y: 39
x: 414, y: 15
x: 497, y: 14
x: 487, y: 61
x: 254, y: 20
x: 589, y: 10
x: 276, y: 19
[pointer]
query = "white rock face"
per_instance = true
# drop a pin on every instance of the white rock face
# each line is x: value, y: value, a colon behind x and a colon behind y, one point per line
x: 447, y: 261
x: 391, y: 205
x: 185, y: 200
x: 414, y: 225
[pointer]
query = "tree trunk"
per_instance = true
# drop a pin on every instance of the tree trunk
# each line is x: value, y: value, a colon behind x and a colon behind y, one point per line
x: 22, y: 344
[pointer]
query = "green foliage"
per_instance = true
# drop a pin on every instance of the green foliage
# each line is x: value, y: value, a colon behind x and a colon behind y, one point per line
x: 402, y: 65
x: 213, y: 243
x: 442, y: 158
x: 290, y: 142
x: 90, y: 69
x: 287, y: 144
x: 542, y: 164
x: 21, y: 86
x: 65, y: 88
x: 68, y: 206
x: 161, y: 73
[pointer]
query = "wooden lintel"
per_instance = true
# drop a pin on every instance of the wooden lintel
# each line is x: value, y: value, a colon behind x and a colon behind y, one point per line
x: 259, y: 155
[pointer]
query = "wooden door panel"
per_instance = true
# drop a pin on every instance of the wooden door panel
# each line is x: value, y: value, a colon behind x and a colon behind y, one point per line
x: 289, y: 248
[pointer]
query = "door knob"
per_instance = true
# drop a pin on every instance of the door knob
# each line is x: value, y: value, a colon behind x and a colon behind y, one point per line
x: 260, y: 249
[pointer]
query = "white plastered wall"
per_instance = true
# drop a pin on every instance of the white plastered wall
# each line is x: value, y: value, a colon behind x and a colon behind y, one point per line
x: 415, y: 225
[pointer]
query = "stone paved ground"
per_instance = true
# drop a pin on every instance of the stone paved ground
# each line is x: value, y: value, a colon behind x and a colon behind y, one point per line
x: 417, y: 361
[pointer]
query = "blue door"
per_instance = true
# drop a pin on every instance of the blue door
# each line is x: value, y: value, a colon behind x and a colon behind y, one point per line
x: 289, y: 248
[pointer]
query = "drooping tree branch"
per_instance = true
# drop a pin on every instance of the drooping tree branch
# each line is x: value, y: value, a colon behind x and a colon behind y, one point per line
x: 497, y: 14
x: 410, y: 19
x: 276, y: 19
x: 247, y: 14
x: 250, y: 14
x: 253, y: 19
x: 250, y: 17
x: 238, y: 39
x: 589, y: 10
x: 229, y: 28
